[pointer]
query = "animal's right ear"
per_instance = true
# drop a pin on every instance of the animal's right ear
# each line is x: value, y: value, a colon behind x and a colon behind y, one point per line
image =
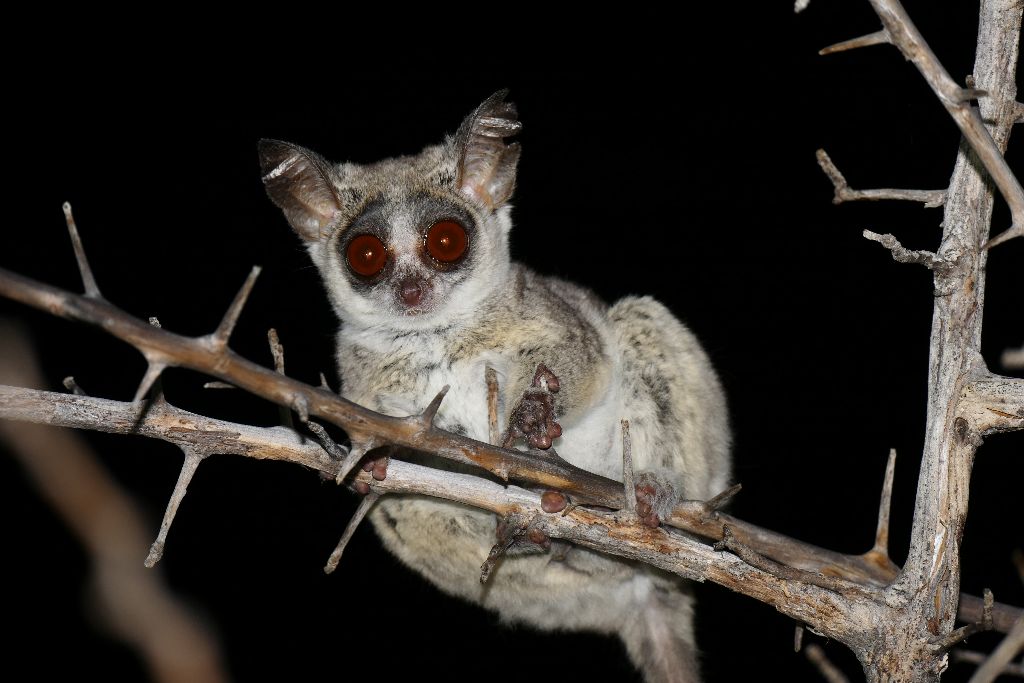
x: 299, y: 182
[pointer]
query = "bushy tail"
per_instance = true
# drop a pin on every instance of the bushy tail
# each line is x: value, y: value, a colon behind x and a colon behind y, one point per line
x: 658, y: 633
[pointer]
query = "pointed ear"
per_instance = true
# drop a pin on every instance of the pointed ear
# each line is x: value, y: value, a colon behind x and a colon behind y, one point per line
x: 298, y: 181
x: 487, y: 166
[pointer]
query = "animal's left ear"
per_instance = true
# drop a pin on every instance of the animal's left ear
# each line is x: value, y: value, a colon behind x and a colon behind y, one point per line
x: 487, y: 166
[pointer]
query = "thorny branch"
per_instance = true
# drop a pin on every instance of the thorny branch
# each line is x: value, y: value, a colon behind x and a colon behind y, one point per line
x: 899, y: 30
x: 855, y: 600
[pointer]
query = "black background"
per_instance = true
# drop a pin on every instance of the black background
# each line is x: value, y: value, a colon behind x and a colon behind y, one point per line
x: 677, y: 164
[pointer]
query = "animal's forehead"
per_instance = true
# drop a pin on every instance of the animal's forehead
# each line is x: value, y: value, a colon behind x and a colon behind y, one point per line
x: 407, y: 211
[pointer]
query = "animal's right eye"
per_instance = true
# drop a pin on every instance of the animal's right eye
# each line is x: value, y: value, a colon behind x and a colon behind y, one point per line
x: 367, y: 255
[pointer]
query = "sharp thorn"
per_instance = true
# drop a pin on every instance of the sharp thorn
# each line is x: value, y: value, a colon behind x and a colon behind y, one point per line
x: 876, y: 38
x: 884, y: 505
x: 428, y: 414
x: 91, y: 290
x: 628, y: 478
x: 153, y: 371
x: 718, y: 501
x: 276, y: 350
x: 324, y: 384
x: 188, y: 469
x: 1005, y: 236
x: 355, y: 454
x: 301, y: 406
x: 350, y: 529
x: 221, y: 335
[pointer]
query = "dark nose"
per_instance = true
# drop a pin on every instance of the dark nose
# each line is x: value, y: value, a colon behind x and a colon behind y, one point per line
x: 410, y: 291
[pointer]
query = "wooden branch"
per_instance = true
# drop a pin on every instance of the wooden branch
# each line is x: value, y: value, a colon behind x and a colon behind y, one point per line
x: 990, y: 404
x: 927, y: 589
x: 900, y: 31
x: 904, y: 255
x: 368, y: 429
x: 180, y: 427
x: 844, y: 193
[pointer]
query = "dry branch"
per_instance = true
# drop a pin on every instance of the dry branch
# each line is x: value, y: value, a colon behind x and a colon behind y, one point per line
x: 844, y: 193
x: 184, y: 429
x: 368, y: 429
x: 898, y: 628
x: 899, y: 30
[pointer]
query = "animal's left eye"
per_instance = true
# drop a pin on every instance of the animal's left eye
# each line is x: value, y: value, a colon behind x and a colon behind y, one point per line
x: 446, y: 241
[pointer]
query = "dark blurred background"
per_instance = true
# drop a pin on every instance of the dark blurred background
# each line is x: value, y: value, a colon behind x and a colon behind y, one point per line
x: 675, y: 164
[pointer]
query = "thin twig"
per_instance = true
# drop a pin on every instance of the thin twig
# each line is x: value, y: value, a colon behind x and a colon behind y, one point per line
x: 277, y: 352
x: 905, y: 36
x: 961, y: 634
x: 188, y: 469
x: 904, y: 255
x: 510, y: 529
x: 844, y: 193
x: 830, y: 672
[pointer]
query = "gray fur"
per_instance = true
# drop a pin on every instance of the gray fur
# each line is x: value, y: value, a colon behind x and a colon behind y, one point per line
x: 632, y: 360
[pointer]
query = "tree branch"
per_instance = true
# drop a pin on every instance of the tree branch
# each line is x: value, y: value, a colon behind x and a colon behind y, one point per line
x: 184, y: 429
x: 901, y: 32
x: 844, y: 193
x: 991, y: 404
x: 904, y: 255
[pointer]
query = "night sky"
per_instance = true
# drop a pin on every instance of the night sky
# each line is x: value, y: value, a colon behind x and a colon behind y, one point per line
x: 684, y: 170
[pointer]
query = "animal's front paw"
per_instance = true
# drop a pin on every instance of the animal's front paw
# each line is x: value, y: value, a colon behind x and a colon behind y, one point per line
x: 655, y: 498
x: 378, y: 469
x: 534, y: 414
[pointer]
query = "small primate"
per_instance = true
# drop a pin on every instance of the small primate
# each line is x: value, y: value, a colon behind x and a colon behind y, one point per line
x: 414, y: 254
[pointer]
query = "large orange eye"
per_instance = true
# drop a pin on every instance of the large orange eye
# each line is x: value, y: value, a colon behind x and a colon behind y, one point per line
x: 367, y: 255
x: 447, y: 241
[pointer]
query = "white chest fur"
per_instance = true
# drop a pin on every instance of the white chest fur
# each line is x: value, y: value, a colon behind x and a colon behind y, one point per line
x: 407, y: 371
